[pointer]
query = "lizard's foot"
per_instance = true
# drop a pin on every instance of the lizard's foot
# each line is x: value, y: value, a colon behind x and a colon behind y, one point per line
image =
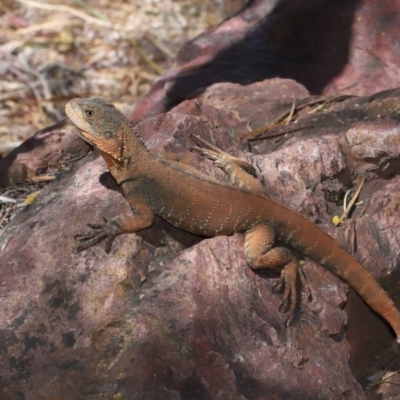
x: 225, y: 161
x: 303, y: 281
x: 287, y: 281
x: 106, y: 231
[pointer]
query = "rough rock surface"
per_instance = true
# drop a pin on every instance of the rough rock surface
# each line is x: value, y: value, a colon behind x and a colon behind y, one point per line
x: 48, y: 149
x: 325, y: 45
x: 162, y: 317
x: 167, y: 315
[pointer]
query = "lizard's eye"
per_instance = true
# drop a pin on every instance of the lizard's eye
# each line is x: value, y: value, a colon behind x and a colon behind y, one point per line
x: 89, y: 113
x: 108, y: 134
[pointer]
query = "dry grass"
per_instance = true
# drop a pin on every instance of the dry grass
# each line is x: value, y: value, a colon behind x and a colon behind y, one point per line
x: 51, y: 51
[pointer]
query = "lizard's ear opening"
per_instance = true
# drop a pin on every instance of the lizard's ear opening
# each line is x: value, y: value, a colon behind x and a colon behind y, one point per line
x: 112, y: 144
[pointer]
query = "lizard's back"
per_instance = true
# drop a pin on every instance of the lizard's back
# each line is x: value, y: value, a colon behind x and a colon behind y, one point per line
x: 197, y: 203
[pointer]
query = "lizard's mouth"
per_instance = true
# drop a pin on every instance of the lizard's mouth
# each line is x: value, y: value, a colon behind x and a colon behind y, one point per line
x: 82, y: 136
x: 107, y: 151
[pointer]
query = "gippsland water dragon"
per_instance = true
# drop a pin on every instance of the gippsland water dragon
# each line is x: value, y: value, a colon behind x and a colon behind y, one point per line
x: 192, y: 201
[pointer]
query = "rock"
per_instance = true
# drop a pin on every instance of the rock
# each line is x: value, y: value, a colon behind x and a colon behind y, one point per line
x: 167, y: 315
x: 349, y: 46
x: 51, y: 148
x: 162, y: 317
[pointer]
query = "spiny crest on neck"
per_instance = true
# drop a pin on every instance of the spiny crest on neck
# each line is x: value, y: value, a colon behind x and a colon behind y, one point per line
x: 138, y: 138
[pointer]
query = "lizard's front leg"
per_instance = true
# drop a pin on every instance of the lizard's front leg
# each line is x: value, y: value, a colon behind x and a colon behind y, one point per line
x: 260, y: 253
x: 142, y: 218
x: 240, y: 173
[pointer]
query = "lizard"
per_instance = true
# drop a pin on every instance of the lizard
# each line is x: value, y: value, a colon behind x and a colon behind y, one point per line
x: 196, y: 202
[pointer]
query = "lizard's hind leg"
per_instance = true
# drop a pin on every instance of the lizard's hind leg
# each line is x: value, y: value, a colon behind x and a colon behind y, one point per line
x: 261, y: 253
x: 240, y: 173
x: 260, y: 239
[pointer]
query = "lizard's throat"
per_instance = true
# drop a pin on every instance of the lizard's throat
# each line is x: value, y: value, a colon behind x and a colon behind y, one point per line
x: 112, y: 162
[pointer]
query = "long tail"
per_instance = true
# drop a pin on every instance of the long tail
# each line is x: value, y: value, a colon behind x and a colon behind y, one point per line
x: 307, y: 237
x: 330, y: 254
x: 350, y: 270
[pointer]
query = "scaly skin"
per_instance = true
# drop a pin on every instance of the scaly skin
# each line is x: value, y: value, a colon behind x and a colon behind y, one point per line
x: 195, y: 202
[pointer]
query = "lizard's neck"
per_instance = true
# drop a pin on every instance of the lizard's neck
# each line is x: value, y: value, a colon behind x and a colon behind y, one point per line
x: 134, y: 157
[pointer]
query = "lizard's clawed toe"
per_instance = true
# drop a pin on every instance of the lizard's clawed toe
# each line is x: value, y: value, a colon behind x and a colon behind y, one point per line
x: 284, y: 306
x: 277, y: 287
x: 289, y: 320
x: 304, y: 283
x: 88, y: 240
x: 212, y: 155
x: 207, y: 145
x: 98, y: 233
x: 287, y: 281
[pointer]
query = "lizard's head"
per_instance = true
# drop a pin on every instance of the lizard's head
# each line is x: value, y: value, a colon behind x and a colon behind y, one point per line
x: 102, y: 125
